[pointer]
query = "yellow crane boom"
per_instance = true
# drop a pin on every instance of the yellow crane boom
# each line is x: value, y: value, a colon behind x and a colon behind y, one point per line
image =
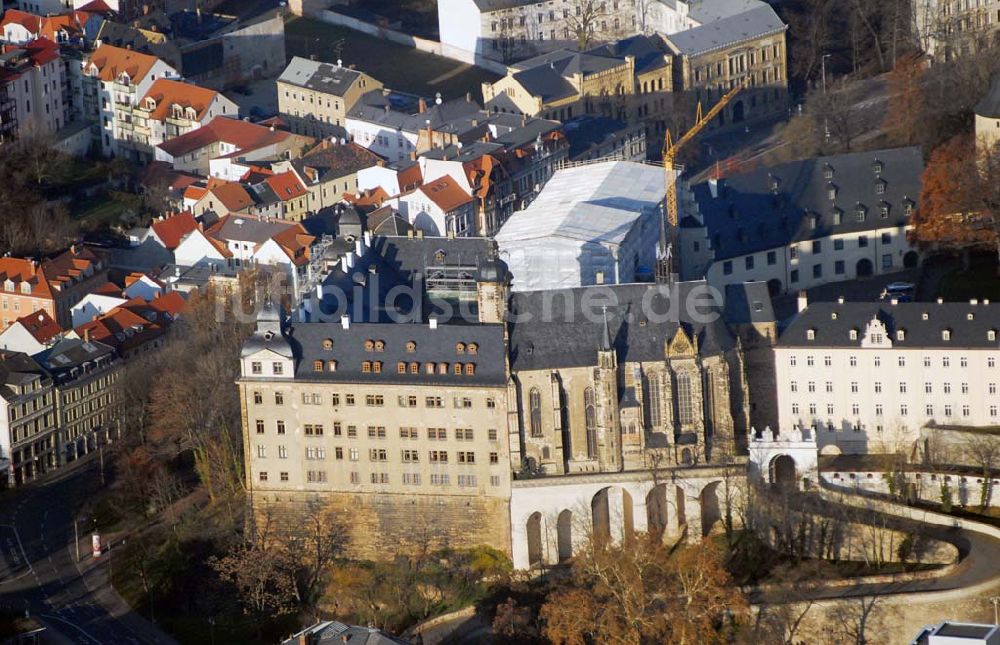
x: 670, y: 150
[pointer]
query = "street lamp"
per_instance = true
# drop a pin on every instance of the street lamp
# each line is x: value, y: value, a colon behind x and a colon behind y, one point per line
x: 996, y: 616
x: 823, y: 65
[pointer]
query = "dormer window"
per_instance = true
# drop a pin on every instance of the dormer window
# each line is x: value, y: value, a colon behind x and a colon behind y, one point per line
x: 470, y: 369
x: 969, y: 316
x: 25, y: 287
x: 366, y: 367
x: 414, y: 368
x: 945, y: 334
x: 377, y: 367
x: 860, y: 212
x: 442, y: 368
x: 369, y: 345
x: 925, y: 316
x: 190, y: 114
x: 838, y: 216
x: 379, y: 345
x: 908, y: 207
x: 268, y: 335
x: 460, y: 348
x: 401, y: 368
x: 901, y: 334
x: 883, y: 210
x: 814, y: 222
x: 828, y: 171
x: 410, y: 347
x: 124, y: 79
x: 880, y: 186
x: 150, y: 103
x: 831, y: 191
x: 317, y: 366
x: 854, y: 334
x: 473, y: 348
x: 991, y: 335
x: 877, y: 167
x: 439, y: 256
x: 328, y: 344
x: 458, y: 369
x: 331, y: 366
x: 811, y: 334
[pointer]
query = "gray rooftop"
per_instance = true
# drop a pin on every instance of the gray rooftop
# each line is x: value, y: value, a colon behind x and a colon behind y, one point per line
x: 749, y: 214
x: 706, y: 11
x: 748, y: 25
x: 832, y: 324
x: 321, y: 77
x: 336, y: 633
x: 248, y: 229
x: 747, y: 303
x: 564, y: 328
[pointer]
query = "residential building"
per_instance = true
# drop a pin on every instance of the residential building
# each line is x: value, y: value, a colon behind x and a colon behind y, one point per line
x: 745, y: 49
x: 945, y: 29
x: 171, y: 108
x: 53, y: 285
x: 84, y: 374
x: 804, y: 223
x: 331, y: 631
x: 28, y: 423
x: 869, y: 376
x: 31, y: 91
x: 328, y: 172
x: 591, y: 224
x: 314, y: 97
x: 31, y: 333
x: 134, y: 328
x: 392, y: 424
x: 954, y: 633
x: 221, y: 147
x: 439, y: 208
x: 592, y: 138
x: 115, y: 80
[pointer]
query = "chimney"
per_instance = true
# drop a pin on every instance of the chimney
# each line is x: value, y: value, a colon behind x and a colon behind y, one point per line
x: 713, y: 187
x: 197, y: 12
x: 437, y: 98
x: 343, y: 263
x: 840, y: 300
x: 345, y: 321
x: 86, y: 334
x: 468, y: 97
x: 359, y: 247
x: 433, y: 322
x: 368, y: 238
x: 421, y: 105
x: 420, y: 233
x: 803, y: 301
x: 893, y: 301
x: 940, y: 301
x: 974, y: 302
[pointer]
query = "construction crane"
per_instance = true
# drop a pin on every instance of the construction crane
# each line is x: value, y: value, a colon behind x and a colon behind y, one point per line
x: 665, y: 262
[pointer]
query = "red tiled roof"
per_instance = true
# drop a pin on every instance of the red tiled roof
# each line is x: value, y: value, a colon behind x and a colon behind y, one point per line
x: 295, y: 242
x: 40, y: 325
x: 60, y: 271
x: 111, y: 61
x: 242, y: 134
x: 108, y: 289
x: 96, y: 6
x: 173, y: 229
x: 286, y: 186
x: 409, y: 178
x: 446, y: 193
x: 167, y: 93
x: 231, y: 195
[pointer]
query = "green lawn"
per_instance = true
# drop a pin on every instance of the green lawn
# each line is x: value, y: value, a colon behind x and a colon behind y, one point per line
x: 398, y: 67
x: 980, y: 281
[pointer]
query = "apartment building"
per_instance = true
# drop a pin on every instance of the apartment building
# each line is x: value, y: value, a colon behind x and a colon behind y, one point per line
x: 314, y: 97
x: 28, y: 420
x: 53, y: 286
x: 328, y: 172
x: 400, y: 427
x: 869, y: 376
x: 804, y: 223
x: 32, y: 76
x: 115, y: 80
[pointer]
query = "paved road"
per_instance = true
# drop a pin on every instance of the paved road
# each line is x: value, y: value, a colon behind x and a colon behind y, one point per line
x: 39, y: 572
x: 979, y: 555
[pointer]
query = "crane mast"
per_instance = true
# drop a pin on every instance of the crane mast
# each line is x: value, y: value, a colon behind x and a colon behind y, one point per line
x: 668, y: 229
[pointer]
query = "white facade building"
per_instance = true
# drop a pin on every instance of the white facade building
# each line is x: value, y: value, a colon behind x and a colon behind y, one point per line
x: 869, y: 376
x: 590, y: 224
x: 804, y: 223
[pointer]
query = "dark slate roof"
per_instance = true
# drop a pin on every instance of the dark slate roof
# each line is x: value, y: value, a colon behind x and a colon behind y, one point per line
x: 989, y: 106
x: 585, y: 132
x: 527, y: 133
x: 321, y: 77
x: 749, y: 302
x: 748, y: 217
x: 545, y: 82
x: 563, y: 328
x: 433, y: 345
x: 337, y: 633
x: 835, y: 331
x: 16, y: 369
x: 647, y: 51
x: 397, y: 262
x: 336, y: 161
x: 728, y: 31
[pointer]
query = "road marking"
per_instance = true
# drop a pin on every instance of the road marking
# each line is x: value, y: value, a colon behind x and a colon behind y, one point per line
x: 76, y: 627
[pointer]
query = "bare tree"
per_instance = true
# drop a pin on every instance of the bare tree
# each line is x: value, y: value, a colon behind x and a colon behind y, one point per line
x: 854, y: 618
x: 984, y: 450
x: 586, y: 21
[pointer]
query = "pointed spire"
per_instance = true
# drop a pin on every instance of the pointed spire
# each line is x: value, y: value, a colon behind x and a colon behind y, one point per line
x: 605, y: 332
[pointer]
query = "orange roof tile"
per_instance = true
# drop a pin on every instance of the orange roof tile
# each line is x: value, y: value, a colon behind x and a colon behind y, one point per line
x: 232, y: 195
x: 295, y: 242
x: 111, y: 61
x: 446, y: 193
x: 286, y: 186
x: 40, y: 325
x: 173, y: 229
x: 166, y: 93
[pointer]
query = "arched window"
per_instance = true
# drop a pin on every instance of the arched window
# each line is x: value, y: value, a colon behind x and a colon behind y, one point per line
x: 590, y: 416
x: 535, y: 408
x: 685, y: 408
x: 653, y: 396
